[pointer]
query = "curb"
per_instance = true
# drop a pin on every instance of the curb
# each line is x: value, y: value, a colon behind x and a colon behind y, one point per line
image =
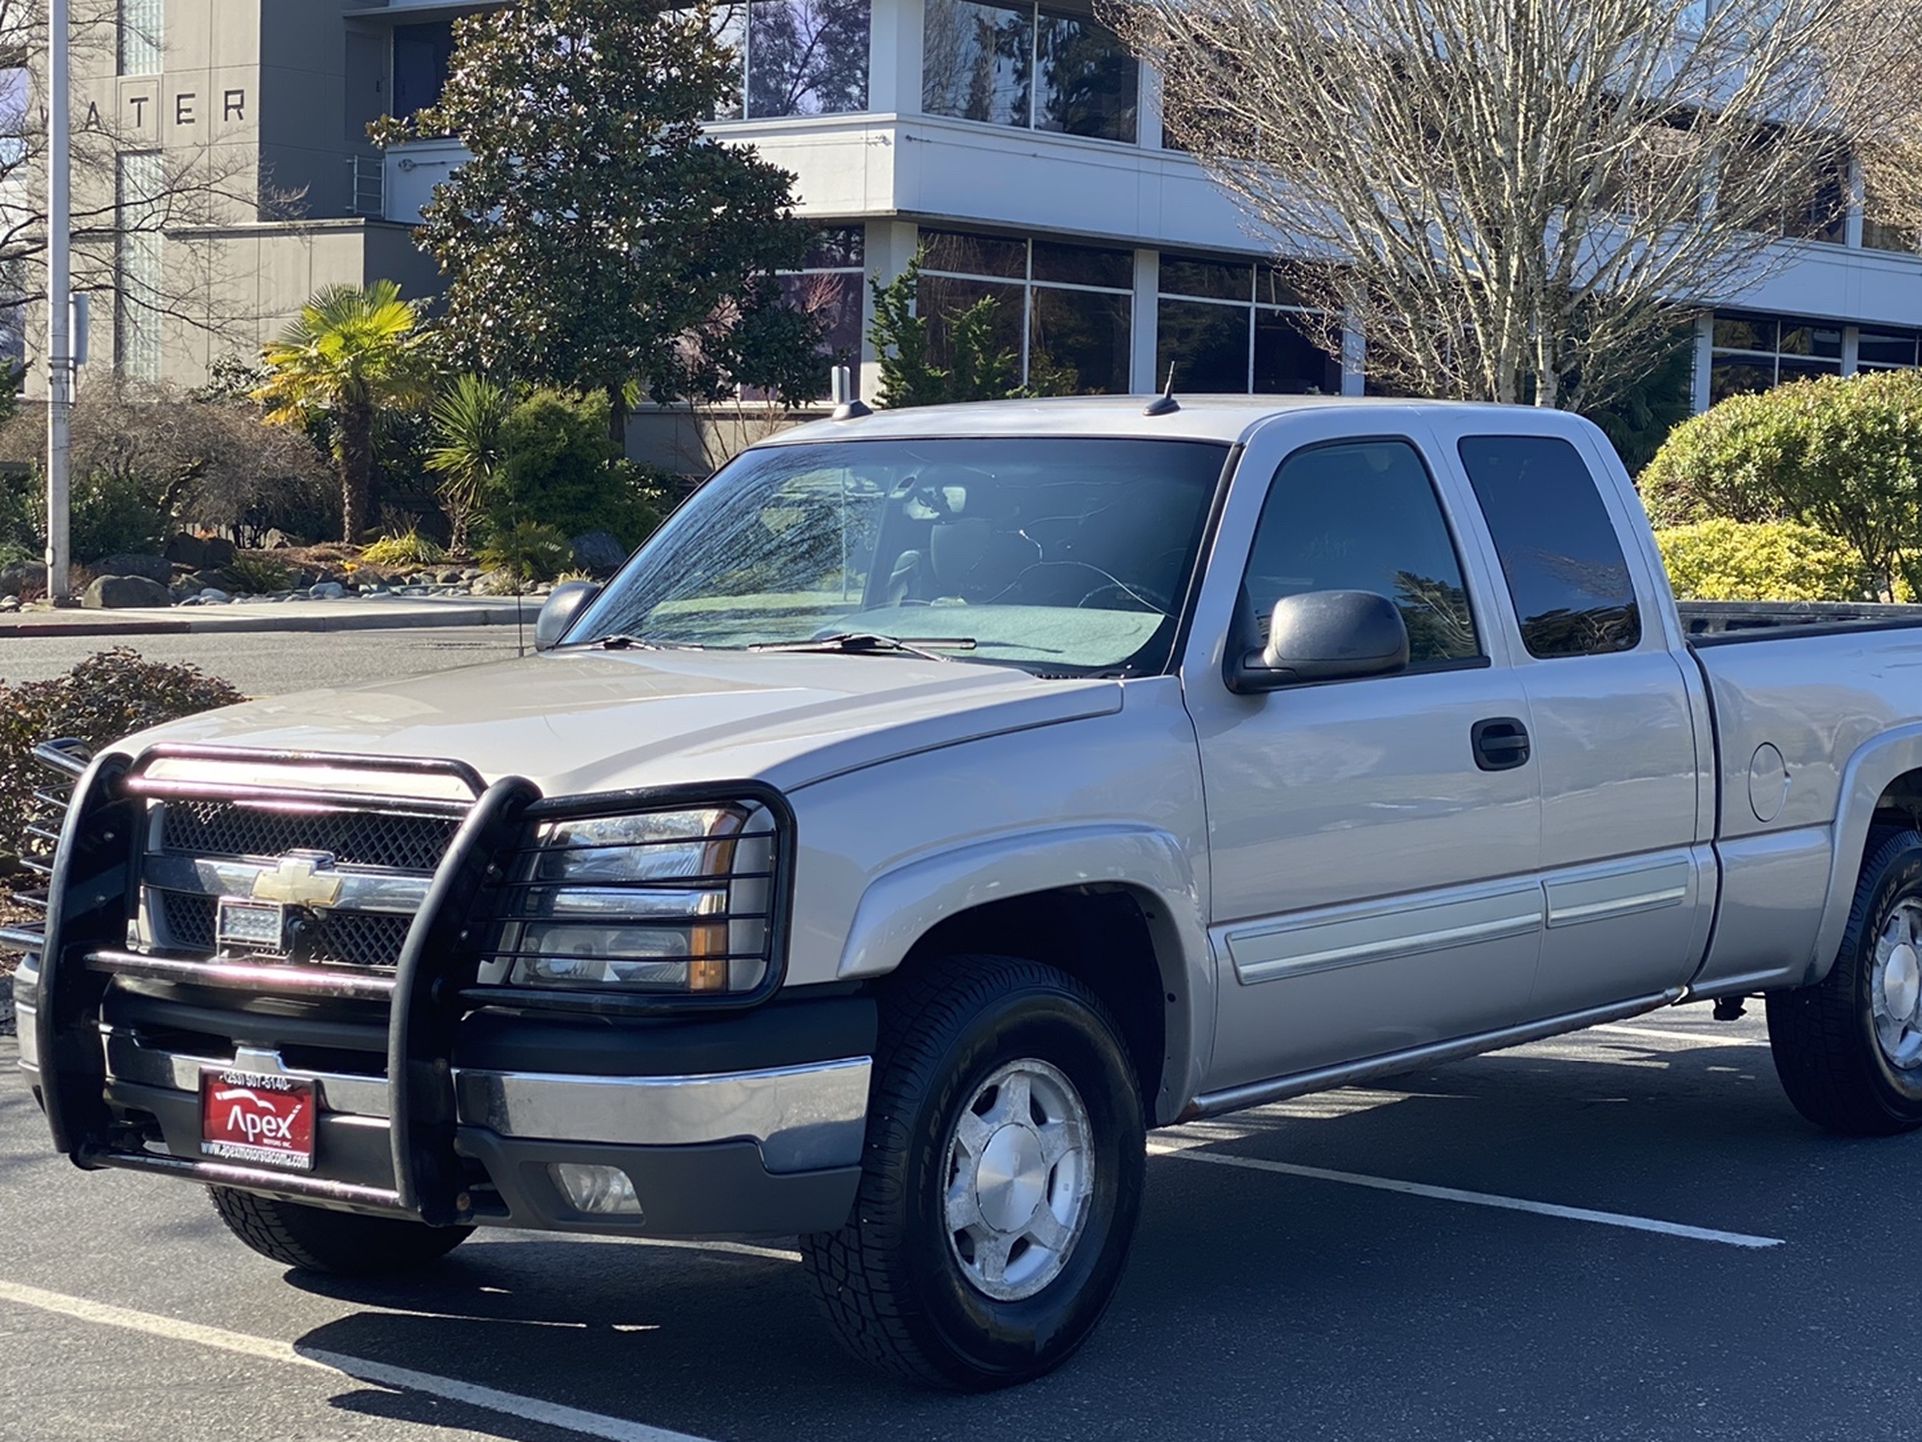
x: 203, y: 625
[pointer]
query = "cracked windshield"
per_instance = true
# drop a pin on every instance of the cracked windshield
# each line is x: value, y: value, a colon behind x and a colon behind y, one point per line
x: 1052, y: 555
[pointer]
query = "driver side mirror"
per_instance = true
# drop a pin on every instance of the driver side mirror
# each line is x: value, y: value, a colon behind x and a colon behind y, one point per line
x: 1324, y: 636
x: 563, y: 604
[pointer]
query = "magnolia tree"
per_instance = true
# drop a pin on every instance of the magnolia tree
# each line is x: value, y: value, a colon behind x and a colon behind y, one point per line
x: 1511, y: 199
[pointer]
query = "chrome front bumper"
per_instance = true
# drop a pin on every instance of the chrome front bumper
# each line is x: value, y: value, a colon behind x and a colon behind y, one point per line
x: 801, y: 1118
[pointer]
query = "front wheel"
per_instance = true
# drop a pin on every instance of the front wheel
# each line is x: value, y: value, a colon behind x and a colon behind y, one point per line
x: 1002, y: 1179
x: 1849, y: 1049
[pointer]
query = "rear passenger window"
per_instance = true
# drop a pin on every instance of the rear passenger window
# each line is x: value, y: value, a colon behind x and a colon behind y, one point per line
x: 1362, y: 516
x: 1565, y: 568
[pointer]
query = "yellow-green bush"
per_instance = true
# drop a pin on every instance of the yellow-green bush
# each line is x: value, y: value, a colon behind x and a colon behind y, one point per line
x: 404, y: 548
x: 1726, y: 560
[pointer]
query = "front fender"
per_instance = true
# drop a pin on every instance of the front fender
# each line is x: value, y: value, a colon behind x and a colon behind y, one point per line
x: 1875, y: 764
x: 900, y: 906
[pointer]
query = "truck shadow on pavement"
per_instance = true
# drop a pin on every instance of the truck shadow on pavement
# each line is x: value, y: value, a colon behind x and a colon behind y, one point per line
x: 1337, y: 1303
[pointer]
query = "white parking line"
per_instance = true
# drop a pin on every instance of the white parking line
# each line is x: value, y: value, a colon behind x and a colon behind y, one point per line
x: 1698, y: 1038
x: 404, y: 1379
x: 1193, y: 1153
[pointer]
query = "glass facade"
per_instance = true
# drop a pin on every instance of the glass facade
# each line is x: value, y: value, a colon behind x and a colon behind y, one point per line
x: 138, y: 182
x: 1229, y: 326
x: 1754, y: 352
x: 142, y: 36
x: 795, y: 57
x: 828, y: 288
x: 1065, y: 311
x: 1886, y: 350
x: 1024, y: 66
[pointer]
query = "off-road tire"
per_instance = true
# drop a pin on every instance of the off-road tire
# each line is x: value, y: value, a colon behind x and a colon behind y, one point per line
x: 888, y: 1281
x: 343, y: 1244
x: 1823, y: 1036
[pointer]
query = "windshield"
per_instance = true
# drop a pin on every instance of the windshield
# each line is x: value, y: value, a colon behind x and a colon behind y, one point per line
x: 1059, y: 555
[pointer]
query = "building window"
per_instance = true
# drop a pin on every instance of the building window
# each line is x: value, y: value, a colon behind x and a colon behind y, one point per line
x: 795, y: 57
x: 1064, y: 310
x: 827, y: 288
x: 142, y: 36
x: 1885, y: 350
x: 1230, y: 326
x: 1755, y: 352
x: 138, y: 182
x: 422, y: 54
x: 1024, y: 66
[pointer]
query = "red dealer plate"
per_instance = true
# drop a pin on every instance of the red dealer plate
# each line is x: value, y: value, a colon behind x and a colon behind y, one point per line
x: 256, y: 1118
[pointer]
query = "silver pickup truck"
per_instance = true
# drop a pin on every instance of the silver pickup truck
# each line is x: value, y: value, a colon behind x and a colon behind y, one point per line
x: 943, y: 798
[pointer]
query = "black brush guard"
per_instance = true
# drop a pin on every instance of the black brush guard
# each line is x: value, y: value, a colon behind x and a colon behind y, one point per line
x: 92, y: 891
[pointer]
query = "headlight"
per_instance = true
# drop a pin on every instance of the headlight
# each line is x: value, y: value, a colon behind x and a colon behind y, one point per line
x: 666, y: 901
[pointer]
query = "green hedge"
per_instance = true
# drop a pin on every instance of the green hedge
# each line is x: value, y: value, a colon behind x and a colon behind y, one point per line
x: 1841, y: 455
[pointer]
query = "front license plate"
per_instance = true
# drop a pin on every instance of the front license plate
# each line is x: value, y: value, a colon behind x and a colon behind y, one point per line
x: 255, y: 1117
x: 250, y: 925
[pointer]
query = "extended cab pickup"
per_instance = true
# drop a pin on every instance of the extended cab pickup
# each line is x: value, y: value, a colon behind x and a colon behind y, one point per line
x: 944, y: 797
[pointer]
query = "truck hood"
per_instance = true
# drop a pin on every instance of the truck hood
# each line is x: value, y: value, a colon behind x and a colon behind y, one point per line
x: 582, y: 721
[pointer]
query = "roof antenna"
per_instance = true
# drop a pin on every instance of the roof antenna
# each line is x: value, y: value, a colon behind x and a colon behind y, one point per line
x: 1165, y: 403
x: 847, y: 405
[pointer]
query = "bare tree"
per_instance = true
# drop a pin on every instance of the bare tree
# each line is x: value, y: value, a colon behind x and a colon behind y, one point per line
x: 1515, y: 199
x: 191, y: 189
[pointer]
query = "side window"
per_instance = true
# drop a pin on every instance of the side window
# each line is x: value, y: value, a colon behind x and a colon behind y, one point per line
x: 1363, y: 516
x: 1565, y: 568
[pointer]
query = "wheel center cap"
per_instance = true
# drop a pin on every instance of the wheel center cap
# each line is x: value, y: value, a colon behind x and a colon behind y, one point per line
x: 1902, y: 981
x: 1011, y: 1178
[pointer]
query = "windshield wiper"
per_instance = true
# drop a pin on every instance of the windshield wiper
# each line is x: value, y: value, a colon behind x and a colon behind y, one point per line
x: 621, y: 641
x: 868, y: 643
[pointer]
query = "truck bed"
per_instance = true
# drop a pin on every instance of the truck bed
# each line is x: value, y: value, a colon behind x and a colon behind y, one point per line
x: 1713, y: 623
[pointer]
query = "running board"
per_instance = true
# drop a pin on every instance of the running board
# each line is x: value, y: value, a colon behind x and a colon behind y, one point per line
x: 1250, y: 1094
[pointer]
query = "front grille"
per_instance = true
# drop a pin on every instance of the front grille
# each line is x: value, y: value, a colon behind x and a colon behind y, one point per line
x: 349, y: 938
x: 356, y: 838
x: 359, y: 841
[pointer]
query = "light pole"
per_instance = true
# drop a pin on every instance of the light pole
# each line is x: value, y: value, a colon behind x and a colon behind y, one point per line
x: 59, y: 286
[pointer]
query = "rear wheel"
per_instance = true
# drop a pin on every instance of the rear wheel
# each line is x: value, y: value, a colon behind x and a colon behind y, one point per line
x: 1849, y: 1049
x: 345, y: 1244
x: 1002, y: 1179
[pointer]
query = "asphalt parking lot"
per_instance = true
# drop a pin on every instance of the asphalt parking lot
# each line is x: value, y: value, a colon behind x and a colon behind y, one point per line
x: 1623, y: 1234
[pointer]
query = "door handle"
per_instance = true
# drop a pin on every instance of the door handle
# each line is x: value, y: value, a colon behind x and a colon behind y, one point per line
x: 1501, y: 743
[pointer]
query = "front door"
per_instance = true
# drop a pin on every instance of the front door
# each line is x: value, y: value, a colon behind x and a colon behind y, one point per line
x: 1374, y: 881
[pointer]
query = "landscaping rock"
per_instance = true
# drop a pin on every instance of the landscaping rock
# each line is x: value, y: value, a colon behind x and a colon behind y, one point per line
x: 14, y: 580
x: 122, y: 563
x: 186, y: 550
x: 109, y: 593
x: 213, y: 594
x: 217, y: 551
x: 327, y: 591
x: 449, y: 578
x: 277, y: 540
x: 599, y: 552
x: 9, y: 603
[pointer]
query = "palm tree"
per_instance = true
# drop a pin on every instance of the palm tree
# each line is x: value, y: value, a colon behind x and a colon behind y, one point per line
x: 352, y: 350
x: 467, y: 448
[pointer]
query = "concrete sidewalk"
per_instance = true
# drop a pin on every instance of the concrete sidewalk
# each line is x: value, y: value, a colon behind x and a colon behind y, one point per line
x: 350, y: 613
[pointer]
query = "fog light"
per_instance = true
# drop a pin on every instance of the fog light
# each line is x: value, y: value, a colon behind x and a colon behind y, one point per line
x: 602, y: 1190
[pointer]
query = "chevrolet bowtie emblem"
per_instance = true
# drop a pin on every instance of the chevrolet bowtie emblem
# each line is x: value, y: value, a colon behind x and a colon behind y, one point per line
x: 301, y: 879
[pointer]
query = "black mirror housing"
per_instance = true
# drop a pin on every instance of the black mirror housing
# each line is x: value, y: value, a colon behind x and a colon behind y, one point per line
x: 1324, y: 636
x: 563, y: 604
